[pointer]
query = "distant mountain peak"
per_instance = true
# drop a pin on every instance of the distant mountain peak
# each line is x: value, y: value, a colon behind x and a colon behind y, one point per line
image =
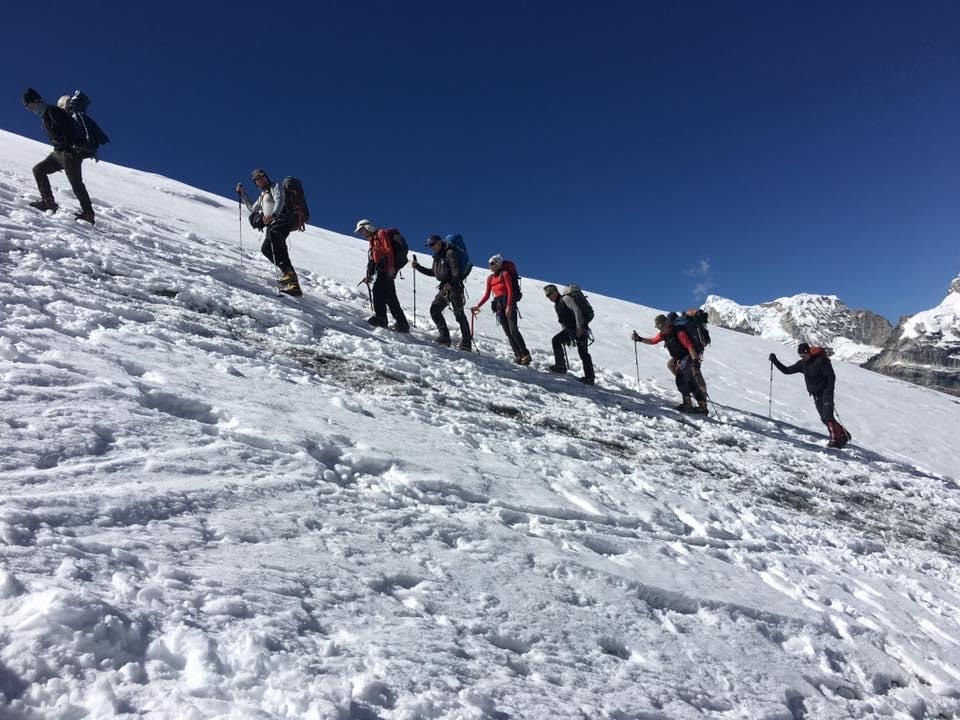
x: 854, y: 335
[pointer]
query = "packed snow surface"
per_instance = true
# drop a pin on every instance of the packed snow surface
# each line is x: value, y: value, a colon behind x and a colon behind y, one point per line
x: 220, y: 503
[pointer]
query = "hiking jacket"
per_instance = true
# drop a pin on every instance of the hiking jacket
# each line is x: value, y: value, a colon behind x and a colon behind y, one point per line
x: 446, y: 268
x: 380, y: 255
x: 59, y: 127
x: 817, y: 371
x: 272, y: 201
x: 678, y: 344
x: 500, y: 284
x: 569, y: 314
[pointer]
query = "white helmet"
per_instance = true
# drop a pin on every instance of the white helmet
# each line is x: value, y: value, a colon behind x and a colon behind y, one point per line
x: 64, y: 102
x: 365, y: 225
x: 496, y: 260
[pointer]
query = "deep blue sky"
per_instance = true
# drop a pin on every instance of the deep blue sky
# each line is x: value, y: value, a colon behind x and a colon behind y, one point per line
x: 646, y: 150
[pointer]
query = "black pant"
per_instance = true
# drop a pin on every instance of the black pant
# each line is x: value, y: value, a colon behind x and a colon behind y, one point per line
x: 687, y: 379
x: 450, y: 294
x: 567, y: 337
x: 385, y: 296
x: 70, y: 163
x: 508, y: 321
x: 275, y: 245
x: 824, y: 404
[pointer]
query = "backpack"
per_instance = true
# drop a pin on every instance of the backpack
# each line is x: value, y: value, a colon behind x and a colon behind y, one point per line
x: 297, y: 211
x: 400, y: 249
x: 586, y: 308
x: 694, y: 323
x: 511, y: 268
x: 463, y: 257
x: 87, y: 135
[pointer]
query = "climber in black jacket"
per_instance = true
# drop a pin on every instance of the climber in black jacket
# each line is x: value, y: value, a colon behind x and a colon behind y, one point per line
x: 820, y: 379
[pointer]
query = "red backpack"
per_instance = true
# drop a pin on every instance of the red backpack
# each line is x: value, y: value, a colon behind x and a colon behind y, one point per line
x: 511, y: 268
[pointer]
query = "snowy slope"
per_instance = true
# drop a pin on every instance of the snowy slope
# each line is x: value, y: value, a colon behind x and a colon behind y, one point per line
x: 853, y: 335
x: 218, y: 503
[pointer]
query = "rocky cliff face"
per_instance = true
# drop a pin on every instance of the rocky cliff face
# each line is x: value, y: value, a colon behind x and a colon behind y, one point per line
x: 925, y: 348
x: 854, y: 335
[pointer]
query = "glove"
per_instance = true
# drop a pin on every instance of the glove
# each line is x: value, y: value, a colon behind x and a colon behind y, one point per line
x: 414, y: 262
x: 475, y: 309
x: 239, y: 188
x: 635, y: 337
x: 772, y: 358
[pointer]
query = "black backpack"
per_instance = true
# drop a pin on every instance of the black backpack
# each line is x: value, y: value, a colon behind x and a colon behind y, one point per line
x: 400, y: 249
x: 87, y: 135
x: 297, y: 211
x: 694, y: 323
x: 586, y: 308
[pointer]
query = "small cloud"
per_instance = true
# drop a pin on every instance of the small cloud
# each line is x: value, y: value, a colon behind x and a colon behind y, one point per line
x: 701, y: 290
x: 701, y: 270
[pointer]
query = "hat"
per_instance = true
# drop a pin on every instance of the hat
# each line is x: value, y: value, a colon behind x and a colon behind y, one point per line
x: 496, y: 260
x: 659, y: 321
x: 257, y: 173
x: 365, y: 225
x: 549, y: 290
x: 64, y: 102
x: 31, y: 96
x: 433, y: 239
x: 803, y: 348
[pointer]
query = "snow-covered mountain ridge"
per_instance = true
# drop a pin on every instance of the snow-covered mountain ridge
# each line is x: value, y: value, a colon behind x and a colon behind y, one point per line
x: 220, y: 503
x: 853, y: 335
x: 923, y: 348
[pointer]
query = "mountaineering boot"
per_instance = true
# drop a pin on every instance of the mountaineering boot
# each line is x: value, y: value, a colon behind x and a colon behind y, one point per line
x: 847, y: 437
x: 517, y: 359
x: 838, y: 435
x: 400, y: 327
x: 465, y: 345
x: 586, y: 380
x: 290, y: 285
x: 700, y: 409
x: 442, y: 339
x: 686, y: 405
x: 86, y: 216
x: 525, y: 359
x: 377, y: 321
x: 44, y: 204
x: 559, y: 369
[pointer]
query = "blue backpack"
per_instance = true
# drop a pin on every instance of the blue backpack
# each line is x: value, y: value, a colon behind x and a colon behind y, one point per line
x: 463, y: 257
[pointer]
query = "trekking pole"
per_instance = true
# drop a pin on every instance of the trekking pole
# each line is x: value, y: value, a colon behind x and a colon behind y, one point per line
x: 240, y: 217
x: 473, y: 319
x: 636, y: 355
x: 770, y: 395
x: 415, y: 297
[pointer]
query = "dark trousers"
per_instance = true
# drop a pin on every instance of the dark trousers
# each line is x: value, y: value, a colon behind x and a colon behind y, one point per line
x: 568, y: 337
x: 274, y: 246
x: 385, y: 296
x: 508, y: 321
x: 689, y: 379
x: 451, y: 295
x: 70, y: 163
x: 824, y: 404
